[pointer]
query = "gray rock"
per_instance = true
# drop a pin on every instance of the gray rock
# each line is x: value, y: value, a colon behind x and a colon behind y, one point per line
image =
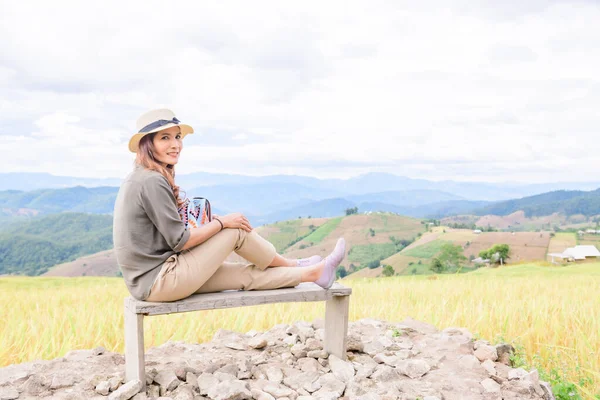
x: 317, y: 354
x: 354, y: 343
x: 126, y: 391
x: 114, y: 382
x: 469, y: 362
x: 384, y: 373
x: 260, y: 395
x: 167, y: 380
x: 489, y: 366
x: 205, y: 382
x: 278, y: 391
x: 274, y: 374
x: 414, y: 368
x: 8, y: 393
x: 516, y: 373
x: 548, y: 395
x: 485, y: 352
x: 235, y: 345
x: 330, y: 386
x: 298, y: 350
x: 191, y: 378
x: 383, y: 358
x: 257, y: 342
x: 62, y: 381
x: 490, y: 386
x: 308, y: 381
x: 183, y: 392
x: 140, y: 396
x: 153, y: 391
x: 313, y: 344
x: 308, y: 365
x: 230, y: 390
x: 364, y: 371
x: 103, y: 388
x: 343, y: 370
x: 35, y: 385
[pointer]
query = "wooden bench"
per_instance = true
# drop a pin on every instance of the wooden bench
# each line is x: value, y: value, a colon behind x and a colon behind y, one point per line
x: 337, y: 300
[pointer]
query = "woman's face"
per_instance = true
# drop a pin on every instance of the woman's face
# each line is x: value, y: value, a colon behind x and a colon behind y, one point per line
x: 167, y: 146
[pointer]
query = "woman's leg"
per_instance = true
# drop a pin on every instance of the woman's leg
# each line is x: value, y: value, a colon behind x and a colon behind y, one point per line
x: 280, y: 261
x: 182, y: 275
x: 242, y: 276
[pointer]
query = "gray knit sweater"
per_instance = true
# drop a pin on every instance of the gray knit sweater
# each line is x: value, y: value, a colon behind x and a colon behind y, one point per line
x: 147, y: 229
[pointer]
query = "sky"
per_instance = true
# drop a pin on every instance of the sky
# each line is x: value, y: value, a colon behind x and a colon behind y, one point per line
x: 466, y: 90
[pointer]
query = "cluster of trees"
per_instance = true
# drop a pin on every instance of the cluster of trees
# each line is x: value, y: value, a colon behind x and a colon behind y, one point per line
x: 351, y: 211
x: 496, y: 254
x: 450, y: 259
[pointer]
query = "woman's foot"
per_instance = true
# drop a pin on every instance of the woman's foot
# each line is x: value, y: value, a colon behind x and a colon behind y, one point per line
x: 331, y: 263
x: 307, y: 262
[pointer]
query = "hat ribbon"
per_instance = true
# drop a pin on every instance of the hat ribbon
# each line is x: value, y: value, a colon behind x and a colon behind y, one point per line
x: 158, y: 124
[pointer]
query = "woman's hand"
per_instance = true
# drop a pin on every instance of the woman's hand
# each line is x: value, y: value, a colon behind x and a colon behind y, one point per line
x: 236, y: 220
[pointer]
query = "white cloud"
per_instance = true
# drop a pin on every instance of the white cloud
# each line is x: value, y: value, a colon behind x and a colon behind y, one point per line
x: 424, y: 89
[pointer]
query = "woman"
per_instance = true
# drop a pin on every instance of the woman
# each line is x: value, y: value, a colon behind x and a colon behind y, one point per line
x: 161, y: 260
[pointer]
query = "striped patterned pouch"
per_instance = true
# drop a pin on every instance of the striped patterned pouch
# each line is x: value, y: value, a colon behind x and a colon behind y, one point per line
x: 196, y: 212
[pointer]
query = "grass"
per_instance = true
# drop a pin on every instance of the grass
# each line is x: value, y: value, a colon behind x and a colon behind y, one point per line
x: 323, y: 231
x: 287, y: 232
x: 561, y: 241
x: 364, y: 253
x: 551, y: 312
x: 428, y: 250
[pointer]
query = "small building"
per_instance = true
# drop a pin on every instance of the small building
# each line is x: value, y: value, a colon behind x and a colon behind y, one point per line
x: 578, y: 253
x: 477, y: 231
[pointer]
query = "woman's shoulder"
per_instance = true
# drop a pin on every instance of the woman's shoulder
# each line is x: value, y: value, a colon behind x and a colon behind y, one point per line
x: 144, y: 175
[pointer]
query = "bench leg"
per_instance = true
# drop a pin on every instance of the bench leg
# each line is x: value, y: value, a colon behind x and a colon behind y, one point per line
x: 336, y: 325
x: 134, y: 348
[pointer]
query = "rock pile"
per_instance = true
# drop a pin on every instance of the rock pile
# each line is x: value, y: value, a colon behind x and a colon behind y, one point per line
x: 409, y: 360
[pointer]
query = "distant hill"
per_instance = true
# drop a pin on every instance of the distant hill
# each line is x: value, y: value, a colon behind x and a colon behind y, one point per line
x: 375, y: 182
x: 30, y: 248
x: 27, y: 181
x: 98, y: 200
x: 561, y: 201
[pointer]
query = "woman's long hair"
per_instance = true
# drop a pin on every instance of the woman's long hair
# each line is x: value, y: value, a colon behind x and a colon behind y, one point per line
x: 145, y: 158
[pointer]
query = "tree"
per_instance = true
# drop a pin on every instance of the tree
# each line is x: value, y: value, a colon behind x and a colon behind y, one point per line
x: 388, y: 270
x: 451, y: 258
x: 350, y: 211
x: 497, y: 254
x: 371, y: 232
x: 437, y: 266
x: 341, y: 272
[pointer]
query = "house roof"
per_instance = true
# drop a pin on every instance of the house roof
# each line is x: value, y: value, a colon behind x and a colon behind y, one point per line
x: 581, y: 252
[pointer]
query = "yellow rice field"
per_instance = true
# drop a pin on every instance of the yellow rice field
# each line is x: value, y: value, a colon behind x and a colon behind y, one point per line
x: 551, y: 311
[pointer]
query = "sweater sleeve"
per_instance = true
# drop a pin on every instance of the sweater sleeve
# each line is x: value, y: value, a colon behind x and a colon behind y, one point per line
x: 161, y: 207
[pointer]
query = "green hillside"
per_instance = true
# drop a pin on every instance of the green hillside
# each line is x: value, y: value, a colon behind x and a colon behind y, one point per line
x: 32, y: 247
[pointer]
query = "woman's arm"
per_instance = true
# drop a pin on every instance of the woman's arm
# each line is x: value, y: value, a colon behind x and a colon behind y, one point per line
x: 202, y: 233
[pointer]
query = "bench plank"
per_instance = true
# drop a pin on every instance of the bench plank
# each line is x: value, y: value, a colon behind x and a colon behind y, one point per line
x: 230, y: 299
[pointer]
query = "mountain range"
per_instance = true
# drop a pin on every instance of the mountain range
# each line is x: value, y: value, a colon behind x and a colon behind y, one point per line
x: 374, y: 182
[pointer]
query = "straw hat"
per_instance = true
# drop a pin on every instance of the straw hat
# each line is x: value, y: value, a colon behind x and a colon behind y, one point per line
x: 154, y: 121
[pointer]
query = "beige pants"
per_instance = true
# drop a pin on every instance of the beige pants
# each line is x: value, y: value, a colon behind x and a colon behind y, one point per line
x: 203, y: 269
